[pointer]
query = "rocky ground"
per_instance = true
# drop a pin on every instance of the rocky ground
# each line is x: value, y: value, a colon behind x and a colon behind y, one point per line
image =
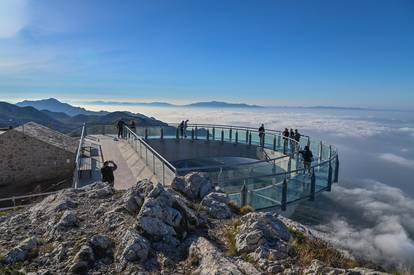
x: 188, y: 228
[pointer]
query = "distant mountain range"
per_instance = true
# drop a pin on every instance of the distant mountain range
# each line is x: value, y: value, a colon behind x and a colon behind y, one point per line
x: 208, y: 104
x: 14, y: 115
x: 55, y: 105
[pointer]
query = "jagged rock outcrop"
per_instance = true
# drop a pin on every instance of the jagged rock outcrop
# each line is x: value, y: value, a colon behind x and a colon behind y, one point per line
x: 195, y: 186
x: 149, y: 229
x: 217, y: 205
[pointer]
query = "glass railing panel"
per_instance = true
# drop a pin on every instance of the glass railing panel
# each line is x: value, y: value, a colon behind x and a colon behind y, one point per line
x: 266, y: 197
x: 321, y: 176
x: 298, y: 187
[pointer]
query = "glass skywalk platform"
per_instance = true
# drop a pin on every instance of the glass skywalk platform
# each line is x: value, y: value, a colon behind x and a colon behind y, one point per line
x: 275, y: 179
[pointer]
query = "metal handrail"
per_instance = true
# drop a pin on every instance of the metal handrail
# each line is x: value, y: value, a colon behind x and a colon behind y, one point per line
x: 77, y: 158
x: 152, y: 150
x: 28, y: 196
x: 229, y: 165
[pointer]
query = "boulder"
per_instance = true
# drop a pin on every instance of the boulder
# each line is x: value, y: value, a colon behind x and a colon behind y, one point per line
x: 135, y: 247
x: 21, y: 252
x: 194, y: 186
x: 216, y: 205
x: 102, y: 246
x: 157, y: 218
x: 67, y: 221
x: 264, y: 235
x: 132, y: 201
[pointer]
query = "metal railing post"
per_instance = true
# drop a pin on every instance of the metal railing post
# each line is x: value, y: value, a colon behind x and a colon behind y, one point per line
x: 196, y: 132
x: 308, y: 142
x: 192, y: 133
x: 208, y: 135
x: 250, y: 138
x: 243, y: 195
x: 162, y: 134
x: 153, y: 163
x: 274, y: 143
x: 163, y: 173
x: 336, y: 177
x: 313, y: 185
x: 284, y: 194
x: 222, y: 135
x: 146, y: 155
x: 329, y: 187
x: 230, y: 134
x: 214, y: 133
x: 320, y: 151
x: 237, y: 137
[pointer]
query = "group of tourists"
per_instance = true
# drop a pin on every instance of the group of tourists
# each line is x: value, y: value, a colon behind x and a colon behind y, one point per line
x: 293, y: 137
x: 183, y: 128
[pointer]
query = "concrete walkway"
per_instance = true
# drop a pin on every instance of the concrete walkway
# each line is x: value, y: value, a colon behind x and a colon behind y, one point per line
x: 124, y: 178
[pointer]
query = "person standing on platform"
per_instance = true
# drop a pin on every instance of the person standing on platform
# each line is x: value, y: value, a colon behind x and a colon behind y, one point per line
x: 120, y: 125
x: 262, y: 135
x: 107, y: 172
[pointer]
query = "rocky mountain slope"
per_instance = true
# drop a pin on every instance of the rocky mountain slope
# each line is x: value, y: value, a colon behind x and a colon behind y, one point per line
x: 12, y: 115
x: 149, y: 229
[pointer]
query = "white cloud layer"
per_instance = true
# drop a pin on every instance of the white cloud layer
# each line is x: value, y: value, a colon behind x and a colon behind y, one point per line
x: 386, y: 238
x: 13, y: 17
x: 408, y: 163
x: 339, y: 125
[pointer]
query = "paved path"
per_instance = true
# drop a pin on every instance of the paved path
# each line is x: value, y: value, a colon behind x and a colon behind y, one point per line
x: 124, y: 178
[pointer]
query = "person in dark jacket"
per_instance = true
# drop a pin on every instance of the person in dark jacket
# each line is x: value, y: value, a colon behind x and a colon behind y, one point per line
x: 285, y: 135
x: 297, y: 135
x: 307, y: 158
x: 181, y: 126
x: 107, y: 172
x: 120, y: 125
x: 262, y: 135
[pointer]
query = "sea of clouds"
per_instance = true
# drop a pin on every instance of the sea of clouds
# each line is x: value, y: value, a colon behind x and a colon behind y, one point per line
x: 375, y: 221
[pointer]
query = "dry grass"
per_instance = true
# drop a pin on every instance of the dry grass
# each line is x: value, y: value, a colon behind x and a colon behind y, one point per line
x: 307, y: 249
x: 234, y: 207
x: 246, y: 209
x: 230, y: 237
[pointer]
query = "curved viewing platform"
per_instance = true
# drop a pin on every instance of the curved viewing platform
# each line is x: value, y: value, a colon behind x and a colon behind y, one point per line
x: 265, y: 174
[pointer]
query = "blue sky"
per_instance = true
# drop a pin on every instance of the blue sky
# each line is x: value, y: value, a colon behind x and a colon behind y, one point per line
x: 345, y: 53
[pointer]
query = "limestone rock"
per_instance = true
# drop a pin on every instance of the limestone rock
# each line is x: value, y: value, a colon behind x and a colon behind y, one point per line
x: 136, y: 247
x: 216, y: 205
x: 157, y: 217
x: 67, y: 220
x: 194, y: 186
x: 212, y: 261
x: 21, y: 252
x: 102, y: 246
